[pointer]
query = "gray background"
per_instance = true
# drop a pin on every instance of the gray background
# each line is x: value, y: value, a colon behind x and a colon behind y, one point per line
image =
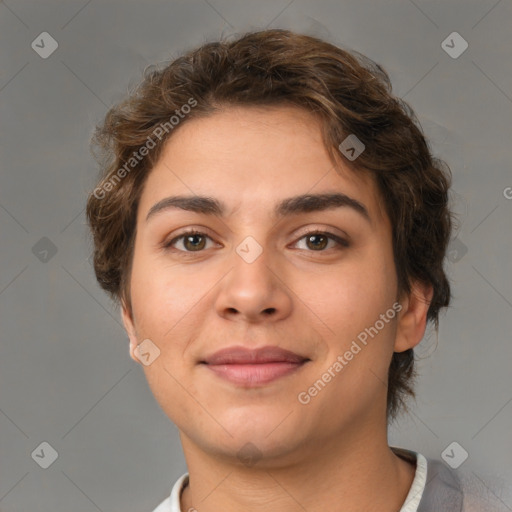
x: 66, y: 377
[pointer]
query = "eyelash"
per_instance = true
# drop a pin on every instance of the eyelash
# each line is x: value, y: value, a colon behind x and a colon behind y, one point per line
x: 331, y: 236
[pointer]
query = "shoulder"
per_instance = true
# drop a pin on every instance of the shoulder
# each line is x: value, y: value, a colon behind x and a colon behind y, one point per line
x: 481, y: 494
x: 460, y: 491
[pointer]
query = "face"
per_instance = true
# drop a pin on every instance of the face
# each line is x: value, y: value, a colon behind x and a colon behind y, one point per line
x: 264, y: 270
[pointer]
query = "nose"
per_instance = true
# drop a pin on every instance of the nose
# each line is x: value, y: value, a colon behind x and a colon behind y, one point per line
x: 254, y: 292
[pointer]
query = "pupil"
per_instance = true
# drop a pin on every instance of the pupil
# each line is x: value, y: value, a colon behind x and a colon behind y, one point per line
x: 321, y: 245
x: 190, y: 240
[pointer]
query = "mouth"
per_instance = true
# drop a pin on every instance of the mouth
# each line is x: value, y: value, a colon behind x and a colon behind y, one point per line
x: 253, y: 368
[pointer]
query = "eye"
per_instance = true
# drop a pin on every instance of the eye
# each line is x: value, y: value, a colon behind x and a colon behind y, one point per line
x: 192, y: 241
x: 319, y: 240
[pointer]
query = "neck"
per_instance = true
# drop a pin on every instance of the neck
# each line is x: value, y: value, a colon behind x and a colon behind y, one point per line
x: 355, y: 475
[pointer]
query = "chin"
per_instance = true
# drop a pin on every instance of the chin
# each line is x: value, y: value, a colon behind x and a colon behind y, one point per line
x: 270, y: 439
x: 260, y: 451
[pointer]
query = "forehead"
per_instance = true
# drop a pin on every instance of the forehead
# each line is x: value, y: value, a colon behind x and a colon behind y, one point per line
x: 252, y: 157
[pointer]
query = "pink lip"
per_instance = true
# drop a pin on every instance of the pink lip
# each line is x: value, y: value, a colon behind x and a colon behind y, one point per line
x: 251, y: 368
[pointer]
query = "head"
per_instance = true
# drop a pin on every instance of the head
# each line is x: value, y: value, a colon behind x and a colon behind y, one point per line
x: 251, y: 122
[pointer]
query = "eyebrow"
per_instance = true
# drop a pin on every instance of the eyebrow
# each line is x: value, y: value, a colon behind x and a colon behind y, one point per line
x: 290, y: 206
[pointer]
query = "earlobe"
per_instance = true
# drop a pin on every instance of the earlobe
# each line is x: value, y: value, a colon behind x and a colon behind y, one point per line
x: 129, y: 325
x: 412, y: 319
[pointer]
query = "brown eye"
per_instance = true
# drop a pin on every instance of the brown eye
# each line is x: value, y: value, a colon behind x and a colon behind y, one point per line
x: 191, y: 241
x: 317, y: 241
x: 194, y: 242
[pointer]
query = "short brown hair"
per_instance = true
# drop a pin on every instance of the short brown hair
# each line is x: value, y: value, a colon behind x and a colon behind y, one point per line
x: 350, y: 94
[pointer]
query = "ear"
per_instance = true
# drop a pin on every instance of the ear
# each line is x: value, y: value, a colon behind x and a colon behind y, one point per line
x: 129, y: 325
x: 412, y: 319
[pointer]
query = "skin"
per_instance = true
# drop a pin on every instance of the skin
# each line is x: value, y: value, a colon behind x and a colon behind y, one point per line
x: 294, y: 295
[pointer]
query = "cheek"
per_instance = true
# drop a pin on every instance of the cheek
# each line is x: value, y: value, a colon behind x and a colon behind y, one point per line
x: 165, y: 306
x: 350, y: 302
x: 163, y: 299
x: 351, y: 296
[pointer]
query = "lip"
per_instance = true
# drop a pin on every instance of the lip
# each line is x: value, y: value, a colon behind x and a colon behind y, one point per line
x: 242, y: 355
x: 256, y: 367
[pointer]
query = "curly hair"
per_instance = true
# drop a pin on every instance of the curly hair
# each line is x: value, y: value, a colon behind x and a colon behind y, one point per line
x: 350, y: 94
